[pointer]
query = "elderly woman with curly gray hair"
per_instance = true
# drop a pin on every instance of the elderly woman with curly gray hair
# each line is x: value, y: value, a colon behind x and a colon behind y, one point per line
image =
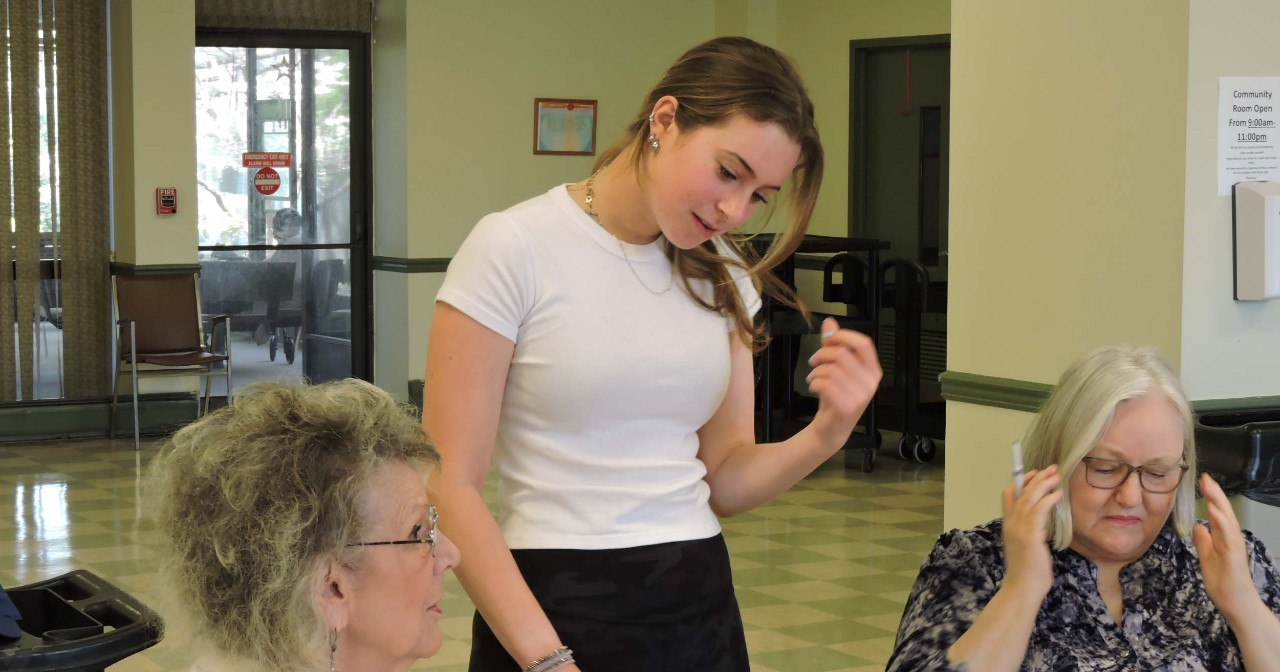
x: 297, y: 532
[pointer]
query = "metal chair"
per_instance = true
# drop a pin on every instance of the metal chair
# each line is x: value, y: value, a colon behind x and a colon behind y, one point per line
x: 158, y: 323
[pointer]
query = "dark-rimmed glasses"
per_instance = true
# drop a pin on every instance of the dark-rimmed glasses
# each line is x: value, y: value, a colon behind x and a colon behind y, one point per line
x: 432, y: 515
x: 1159, y: 479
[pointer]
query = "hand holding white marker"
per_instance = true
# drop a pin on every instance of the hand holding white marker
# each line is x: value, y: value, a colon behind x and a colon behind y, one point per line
x: 1017, y: 469
x: 1028, y: 560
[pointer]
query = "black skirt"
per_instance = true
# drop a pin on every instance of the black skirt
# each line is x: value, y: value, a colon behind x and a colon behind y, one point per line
x: 667, y: 607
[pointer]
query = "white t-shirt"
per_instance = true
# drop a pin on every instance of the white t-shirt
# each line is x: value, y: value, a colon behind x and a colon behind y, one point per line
x: 609, y: 383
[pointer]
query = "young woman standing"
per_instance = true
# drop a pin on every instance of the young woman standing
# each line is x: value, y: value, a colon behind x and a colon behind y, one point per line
x: 594, y: 344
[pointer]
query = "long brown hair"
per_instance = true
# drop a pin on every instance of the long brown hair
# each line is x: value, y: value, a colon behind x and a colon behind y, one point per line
x: 714, y: 81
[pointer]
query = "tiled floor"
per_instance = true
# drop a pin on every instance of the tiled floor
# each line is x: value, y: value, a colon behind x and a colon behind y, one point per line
x: 822, y: 572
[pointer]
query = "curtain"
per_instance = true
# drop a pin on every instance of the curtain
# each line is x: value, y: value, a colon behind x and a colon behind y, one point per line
x: 54, y: 190
x: 344, y: 15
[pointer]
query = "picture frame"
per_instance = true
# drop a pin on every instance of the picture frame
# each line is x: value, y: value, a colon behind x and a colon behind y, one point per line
x: 564, y: 126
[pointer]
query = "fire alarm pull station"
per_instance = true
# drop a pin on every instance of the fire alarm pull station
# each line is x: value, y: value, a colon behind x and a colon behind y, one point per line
x: 166, y: 201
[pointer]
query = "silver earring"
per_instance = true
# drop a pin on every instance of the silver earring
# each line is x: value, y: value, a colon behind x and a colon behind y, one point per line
x: 653, y: 143
x: 333, y: 648
x: 651, y: 118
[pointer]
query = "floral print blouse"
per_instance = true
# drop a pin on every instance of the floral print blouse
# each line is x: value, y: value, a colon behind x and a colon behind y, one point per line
x: 1169, y: 622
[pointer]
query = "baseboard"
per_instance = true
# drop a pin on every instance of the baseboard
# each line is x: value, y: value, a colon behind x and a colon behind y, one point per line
x: 158, y: 414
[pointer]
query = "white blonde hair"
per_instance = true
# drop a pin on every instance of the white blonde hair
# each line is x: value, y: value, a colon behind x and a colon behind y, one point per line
x: 1080, y: 410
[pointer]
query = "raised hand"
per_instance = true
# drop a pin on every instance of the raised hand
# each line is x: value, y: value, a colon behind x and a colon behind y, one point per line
x: 1224, y: 559
x: 846, y: 374
x: 1028, y: 561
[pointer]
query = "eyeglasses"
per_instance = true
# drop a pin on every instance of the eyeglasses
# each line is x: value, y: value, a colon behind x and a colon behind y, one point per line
x: 432, y: 516
x: 1155, y: 478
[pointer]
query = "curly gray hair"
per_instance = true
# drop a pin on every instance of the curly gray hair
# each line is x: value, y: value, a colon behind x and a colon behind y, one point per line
x: 254, y: 498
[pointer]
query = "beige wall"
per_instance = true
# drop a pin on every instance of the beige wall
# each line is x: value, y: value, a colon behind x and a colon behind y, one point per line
x: 471, y: 72
x: 1229, y: 348
x: 391, y: 331
x: 1067, y: 149
x: 757, y: 19
x: 153, y: 139
x: 154, y: 128
x: 391, y: 127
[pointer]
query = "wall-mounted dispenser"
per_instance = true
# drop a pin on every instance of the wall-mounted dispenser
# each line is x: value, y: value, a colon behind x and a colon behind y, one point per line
x: 1255, y: 231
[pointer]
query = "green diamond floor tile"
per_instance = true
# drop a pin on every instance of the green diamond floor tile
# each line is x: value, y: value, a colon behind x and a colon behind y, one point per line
x: 810, y: 659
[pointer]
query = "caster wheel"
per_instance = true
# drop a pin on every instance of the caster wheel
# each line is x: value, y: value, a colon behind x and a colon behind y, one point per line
x: 924, y: 450
x: 868, y: 461
x: 289, y: 345
x: 906, y: 447
x: 271, y: 347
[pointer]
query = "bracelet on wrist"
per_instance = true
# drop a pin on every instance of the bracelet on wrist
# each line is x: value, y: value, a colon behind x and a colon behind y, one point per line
x: 552, y: 661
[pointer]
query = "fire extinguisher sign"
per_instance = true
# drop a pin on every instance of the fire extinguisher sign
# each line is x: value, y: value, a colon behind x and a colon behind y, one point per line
x: 266, y: 181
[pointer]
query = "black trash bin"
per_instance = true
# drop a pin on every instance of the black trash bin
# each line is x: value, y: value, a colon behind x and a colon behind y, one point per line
x: 1241, y: 450
x: 76, y: 622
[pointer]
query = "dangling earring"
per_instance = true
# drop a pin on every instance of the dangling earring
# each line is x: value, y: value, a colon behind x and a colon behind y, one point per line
x: 333, y: 648
x: 653, y: 143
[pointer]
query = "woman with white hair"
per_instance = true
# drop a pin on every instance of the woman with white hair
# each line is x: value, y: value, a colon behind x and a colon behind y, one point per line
x: 1098, y: 562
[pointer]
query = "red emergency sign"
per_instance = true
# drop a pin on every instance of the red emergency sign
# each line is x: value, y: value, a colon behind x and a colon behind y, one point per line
x: 266, y: 181
x: 260, y: 159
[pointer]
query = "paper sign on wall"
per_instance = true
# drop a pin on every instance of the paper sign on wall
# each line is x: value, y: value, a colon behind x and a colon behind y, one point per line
x: 1248, y: 135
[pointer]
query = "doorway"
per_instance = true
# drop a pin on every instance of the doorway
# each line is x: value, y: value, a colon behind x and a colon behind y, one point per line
x: 282, y: 151
x: 900, y: 118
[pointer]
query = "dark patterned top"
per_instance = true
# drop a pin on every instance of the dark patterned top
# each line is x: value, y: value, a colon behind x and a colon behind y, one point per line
x: 1169, y: 623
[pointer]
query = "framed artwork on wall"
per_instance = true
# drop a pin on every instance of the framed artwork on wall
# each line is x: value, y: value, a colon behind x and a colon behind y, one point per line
x: 564, y: 126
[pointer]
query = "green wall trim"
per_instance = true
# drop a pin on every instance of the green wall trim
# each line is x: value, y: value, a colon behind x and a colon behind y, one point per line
x: 971, y: 388
x: 157, y: 414
x: 122, y: 268
x: 1022, y: 395
x: 1240, y: 404
x: 407, y: 265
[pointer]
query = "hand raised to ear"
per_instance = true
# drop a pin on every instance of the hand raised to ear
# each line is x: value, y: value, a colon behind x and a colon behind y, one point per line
x: 1224, y: 557
x: 1027, y: 559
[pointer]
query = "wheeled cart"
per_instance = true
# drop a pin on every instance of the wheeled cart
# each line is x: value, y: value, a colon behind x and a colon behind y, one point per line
x: 906, y: 402
x: 76, y: 622
x: 781, y: 410
x: 1241, y: 450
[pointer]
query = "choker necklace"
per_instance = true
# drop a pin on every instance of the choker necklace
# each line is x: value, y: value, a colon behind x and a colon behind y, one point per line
x: 589, y: 199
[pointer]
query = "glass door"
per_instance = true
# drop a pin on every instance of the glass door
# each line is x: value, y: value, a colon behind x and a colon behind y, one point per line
x: 282, y: 174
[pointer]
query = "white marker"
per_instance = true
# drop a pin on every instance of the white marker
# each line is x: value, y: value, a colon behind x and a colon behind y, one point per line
x: 1017, y: 469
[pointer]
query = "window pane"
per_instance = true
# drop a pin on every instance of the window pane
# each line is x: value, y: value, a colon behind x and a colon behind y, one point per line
x: 290, y: 313
x: 293, y: 103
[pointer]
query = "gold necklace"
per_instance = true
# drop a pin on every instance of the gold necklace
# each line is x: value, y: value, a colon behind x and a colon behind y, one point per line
x: 589, y: 199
